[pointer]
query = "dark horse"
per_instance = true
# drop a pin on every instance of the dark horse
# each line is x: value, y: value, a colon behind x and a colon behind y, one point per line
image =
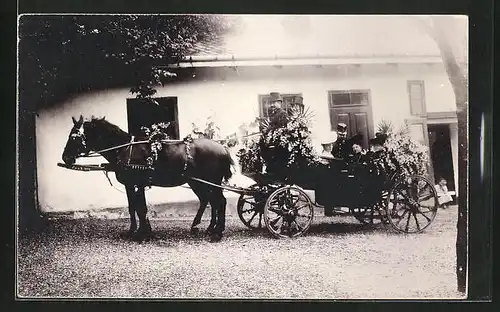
x: 176, y: 163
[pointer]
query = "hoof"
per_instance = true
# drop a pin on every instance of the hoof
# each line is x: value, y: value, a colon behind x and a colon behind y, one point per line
x: 194, y: 230
x: 128, y: 234
x: 215, y: 237
x: 141, y: 237
x: 209, y: 231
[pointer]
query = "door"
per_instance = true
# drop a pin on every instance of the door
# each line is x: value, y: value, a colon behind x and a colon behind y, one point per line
x: 352, y: 108
x: 143, y: 113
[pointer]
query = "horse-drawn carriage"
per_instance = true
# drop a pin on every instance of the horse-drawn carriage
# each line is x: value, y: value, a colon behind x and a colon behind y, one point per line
x: 407, y: 202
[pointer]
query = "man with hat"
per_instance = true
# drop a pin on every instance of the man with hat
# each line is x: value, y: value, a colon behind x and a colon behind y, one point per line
x: 339, y: 149
x: 277, y: 114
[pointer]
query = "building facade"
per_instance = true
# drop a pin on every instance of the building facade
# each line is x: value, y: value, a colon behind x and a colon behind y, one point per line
x: 336, y: 85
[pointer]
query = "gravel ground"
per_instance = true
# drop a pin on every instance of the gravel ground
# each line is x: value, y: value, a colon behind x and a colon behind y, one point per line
x: 337, y: 259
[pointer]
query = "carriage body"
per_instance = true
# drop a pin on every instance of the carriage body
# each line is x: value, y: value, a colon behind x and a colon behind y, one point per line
x: 343, y: 184
x: 371, y: 197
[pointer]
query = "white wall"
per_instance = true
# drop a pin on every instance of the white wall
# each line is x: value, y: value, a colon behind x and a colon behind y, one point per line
x: 231, y: 97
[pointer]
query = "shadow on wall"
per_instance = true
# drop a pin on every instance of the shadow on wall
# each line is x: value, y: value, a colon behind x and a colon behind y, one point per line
x: 63, y: 190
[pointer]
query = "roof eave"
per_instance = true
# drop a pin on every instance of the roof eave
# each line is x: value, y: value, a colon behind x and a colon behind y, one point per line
x: 222, y: 61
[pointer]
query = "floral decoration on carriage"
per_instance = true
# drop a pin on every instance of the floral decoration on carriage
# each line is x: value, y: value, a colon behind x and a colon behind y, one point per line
x: 284, y: 147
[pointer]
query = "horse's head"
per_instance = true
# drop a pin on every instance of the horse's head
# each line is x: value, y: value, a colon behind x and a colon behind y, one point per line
x: 77, y: 142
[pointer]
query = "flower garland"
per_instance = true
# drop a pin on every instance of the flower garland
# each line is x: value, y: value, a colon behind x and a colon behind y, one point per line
x: 412, y: 156
x: 285, y: 146
x: 250, y: 158
x: 155, y: 135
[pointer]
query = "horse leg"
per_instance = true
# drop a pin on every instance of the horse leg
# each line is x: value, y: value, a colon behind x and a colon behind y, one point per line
x: 144, y: 231
x: 203, y: 198
x: 199, y: 214
x: 213, y: 219
x: 132, y: 203
x: 218, y: 202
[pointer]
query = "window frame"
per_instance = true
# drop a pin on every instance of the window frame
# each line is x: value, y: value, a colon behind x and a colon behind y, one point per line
x: 422, y: 104
x: 262, y: 97
x: 365, y: 92
x: 174, y: 124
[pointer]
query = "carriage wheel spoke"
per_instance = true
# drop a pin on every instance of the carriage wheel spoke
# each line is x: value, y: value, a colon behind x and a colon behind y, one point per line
x: 249, y: 202
x: 404, y: 195
x: 298, y: 226
x: 428, y: 219
x: 408, y: 223
x: 275, y: 220
x: 416, y: 221
x: 429, y: 209
x: 429, y: 196
x: 304, y: 216
x: 302, y: 207
x: 401, y: 217
x: 253, y: 216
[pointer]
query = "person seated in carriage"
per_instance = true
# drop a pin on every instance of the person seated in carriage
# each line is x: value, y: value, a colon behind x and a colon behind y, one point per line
x: 375, y: 155
x: 327, y: 145
x: 339, y: 150
x: 356, y: 153
x: 377, y: 143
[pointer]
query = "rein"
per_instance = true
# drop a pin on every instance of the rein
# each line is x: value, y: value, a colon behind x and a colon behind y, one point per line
x: 98, y: 153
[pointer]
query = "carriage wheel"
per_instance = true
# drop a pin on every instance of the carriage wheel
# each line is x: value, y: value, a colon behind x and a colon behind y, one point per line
x: 251, y: 209
x: 412, y: 204
x: 288, y: 212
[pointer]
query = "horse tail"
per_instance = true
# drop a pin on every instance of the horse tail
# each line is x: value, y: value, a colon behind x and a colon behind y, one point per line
x: 228, y: 163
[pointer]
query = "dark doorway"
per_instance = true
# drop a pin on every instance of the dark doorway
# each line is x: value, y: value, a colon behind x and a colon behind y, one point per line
x: 145, y: 113
x: 440, y: 148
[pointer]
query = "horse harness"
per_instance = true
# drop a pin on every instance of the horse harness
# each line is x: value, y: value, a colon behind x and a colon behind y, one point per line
x: 150, y: 167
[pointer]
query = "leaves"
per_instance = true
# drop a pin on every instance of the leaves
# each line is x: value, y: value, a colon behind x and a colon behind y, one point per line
x: 61, y: 55
x: 411, y: 156
x: 385, y: 127
x: 155, y: 135
x: 284, y: 146
x: 211, y: 130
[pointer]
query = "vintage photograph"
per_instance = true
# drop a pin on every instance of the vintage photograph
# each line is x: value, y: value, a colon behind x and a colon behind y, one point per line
x: 242, y: 156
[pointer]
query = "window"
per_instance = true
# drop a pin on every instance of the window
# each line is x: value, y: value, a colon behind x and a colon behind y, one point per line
x: 143, y: 113
x: 348, y: 98
x: 417, y: 97
x: 288, y: 100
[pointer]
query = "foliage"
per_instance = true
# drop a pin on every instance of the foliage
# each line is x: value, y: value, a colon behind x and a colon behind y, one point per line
x: 155, y: 135
x: 60, y: 55
x: 284, y: 146
x: 249, y: 157
x: 211, y: 130
x: 385, y: 127
x: 411, y: 156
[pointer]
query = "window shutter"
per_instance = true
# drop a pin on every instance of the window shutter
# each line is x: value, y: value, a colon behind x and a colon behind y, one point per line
x: 417, y: 97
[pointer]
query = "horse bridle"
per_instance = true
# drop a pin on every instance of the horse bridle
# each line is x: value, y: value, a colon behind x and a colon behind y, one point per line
x: 80, y: 134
